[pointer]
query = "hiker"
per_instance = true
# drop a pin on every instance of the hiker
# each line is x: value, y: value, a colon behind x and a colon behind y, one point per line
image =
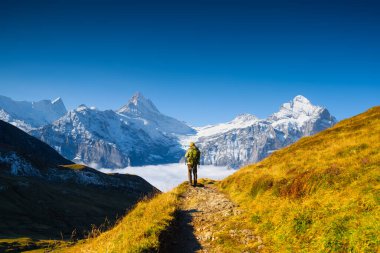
x: 193, y: 156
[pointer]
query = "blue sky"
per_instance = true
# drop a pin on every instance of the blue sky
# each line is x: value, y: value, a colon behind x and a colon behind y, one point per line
x: 199, y: 61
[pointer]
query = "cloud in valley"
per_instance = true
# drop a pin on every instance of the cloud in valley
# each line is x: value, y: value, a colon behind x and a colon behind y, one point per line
x: 167, y: 176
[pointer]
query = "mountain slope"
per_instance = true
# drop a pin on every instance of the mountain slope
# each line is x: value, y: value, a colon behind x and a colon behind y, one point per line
x: 45, y: 196
x: 29, y: 115
x: 321, y: 194
x: 247, y: 139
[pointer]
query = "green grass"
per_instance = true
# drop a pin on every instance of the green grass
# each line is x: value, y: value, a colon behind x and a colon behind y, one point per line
x: 321, y: 194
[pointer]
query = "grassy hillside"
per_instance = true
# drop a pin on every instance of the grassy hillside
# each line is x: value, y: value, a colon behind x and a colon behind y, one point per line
x: 321, y: 194
x: 139, y: 231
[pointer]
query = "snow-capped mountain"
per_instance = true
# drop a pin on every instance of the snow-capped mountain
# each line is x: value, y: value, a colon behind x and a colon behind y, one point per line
x: 302, y: 115
x: 142, y: 110
x: 29, y: 115
x: 137, y: 134
x: 247, y: 139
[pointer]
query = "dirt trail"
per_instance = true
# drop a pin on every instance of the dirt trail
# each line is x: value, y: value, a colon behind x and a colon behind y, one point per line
x: 202, y: 210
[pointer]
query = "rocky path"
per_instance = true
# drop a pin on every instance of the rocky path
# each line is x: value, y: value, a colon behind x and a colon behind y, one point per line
x: 203, y: 210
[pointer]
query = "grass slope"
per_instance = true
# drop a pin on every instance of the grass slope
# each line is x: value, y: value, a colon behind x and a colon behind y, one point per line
x: 321, y: 194
x: 139, y: 231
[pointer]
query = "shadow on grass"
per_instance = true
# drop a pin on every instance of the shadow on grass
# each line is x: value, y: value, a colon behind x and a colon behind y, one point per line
x: 180, y: 235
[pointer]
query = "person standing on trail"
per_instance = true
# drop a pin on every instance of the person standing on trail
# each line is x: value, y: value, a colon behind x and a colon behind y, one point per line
x: 193, y: 156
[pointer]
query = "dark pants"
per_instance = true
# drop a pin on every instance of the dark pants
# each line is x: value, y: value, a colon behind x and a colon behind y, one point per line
x: 192, y: 169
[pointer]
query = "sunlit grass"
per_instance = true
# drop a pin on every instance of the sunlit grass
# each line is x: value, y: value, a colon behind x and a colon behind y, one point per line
x: 139, y: 230
x: 321, y: 194
x: 74, y: 166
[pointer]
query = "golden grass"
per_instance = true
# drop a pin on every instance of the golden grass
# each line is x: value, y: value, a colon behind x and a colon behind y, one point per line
x: 139, y: 230
x: 321, y: 194
x: 74, y: 166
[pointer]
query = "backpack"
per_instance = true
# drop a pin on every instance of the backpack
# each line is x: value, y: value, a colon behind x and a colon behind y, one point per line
x: 193, y: 155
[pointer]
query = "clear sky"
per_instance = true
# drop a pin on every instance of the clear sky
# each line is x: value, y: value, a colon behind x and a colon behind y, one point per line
x: 199, y: 61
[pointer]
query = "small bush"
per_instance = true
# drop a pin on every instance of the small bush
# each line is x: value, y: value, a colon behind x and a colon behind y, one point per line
x: 256, y: 218
x: 337, y: 239
x: 301, y: 223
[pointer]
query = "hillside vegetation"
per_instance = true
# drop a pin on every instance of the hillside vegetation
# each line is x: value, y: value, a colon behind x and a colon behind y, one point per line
x: 321, y: 194
x: 139, y: 231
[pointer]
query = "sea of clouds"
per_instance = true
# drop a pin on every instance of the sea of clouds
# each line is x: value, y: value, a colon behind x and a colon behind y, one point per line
x: 167, y: 176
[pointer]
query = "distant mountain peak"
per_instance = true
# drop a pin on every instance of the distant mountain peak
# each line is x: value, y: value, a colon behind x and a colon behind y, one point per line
x: 301, y: 99
x: 28, y: 115
x: 81, y: 107
x: 137, y: 96
x: 138, y: 105
x: 245, y: 117
x: 300, y: 105
x: 59, y: 106
x: 57, y: 100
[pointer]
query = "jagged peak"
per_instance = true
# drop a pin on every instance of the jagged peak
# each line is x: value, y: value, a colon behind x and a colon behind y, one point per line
x: 57, y: 100
x: 59, y: 106
x: 138, y: 96
x: 138, y: 104
x: 81, y: 107
x: 298, y: 106
x: 301, y: 99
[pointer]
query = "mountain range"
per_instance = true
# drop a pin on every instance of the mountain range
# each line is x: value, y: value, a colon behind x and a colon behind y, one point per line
x: 139, y: 134
x: 248, y: 139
